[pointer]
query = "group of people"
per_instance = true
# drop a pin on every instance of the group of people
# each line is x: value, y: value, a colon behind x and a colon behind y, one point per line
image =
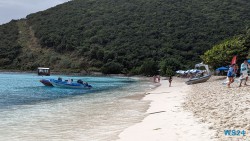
x: 157, y: 79
x: 231, y: 74
x: 70, y: 81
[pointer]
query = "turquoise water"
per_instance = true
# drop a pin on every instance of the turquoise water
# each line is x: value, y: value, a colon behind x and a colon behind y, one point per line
x: 19, y: 89
x: 31, y: 111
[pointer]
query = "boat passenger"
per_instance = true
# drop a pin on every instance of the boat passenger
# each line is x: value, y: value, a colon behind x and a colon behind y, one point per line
x: 59, y: 79
x: 80, y: 81
x: 69, y: 81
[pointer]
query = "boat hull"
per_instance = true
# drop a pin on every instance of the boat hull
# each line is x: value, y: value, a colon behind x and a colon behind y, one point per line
x: 63, y: 84
x: 198, y: 80
x: 46, y: 82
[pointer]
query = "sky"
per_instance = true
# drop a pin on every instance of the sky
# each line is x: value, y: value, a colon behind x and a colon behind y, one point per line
x: 17, y: 9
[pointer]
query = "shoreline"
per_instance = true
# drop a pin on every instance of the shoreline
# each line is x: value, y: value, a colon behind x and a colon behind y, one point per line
x: 166, y: 119
x: 54, y: 72
x: 74, y: 73
x: 141, y: 95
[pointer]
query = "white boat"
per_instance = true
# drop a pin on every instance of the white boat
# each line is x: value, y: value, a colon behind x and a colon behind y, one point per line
x: 200, y: 79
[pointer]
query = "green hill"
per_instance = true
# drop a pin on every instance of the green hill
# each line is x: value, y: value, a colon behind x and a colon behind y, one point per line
x: 221, y: 54
x: 121, y: 36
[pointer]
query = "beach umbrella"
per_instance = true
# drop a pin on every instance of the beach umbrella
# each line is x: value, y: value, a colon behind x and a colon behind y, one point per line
x: 182, y: 72
x: 197, y: 71
x: 192, y: 71
x: 222, y: 69
x: 187, y: 71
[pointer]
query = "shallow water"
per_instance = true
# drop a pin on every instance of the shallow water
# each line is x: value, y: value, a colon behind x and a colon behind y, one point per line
x: 31, y: 111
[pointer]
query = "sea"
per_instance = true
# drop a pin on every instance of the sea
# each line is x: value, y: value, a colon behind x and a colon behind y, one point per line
x: 30, y: 111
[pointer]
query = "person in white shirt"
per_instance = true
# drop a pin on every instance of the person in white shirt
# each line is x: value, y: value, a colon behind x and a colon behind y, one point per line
x: 244, y: 72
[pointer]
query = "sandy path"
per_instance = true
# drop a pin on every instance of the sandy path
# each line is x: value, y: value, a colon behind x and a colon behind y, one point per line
x: 167, y: 121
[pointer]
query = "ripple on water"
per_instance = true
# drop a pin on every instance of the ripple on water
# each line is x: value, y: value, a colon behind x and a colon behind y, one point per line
x: 31, y: 111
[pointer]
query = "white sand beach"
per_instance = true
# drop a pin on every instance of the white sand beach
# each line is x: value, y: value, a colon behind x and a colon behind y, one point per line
x: 224, y: 108
x: 167, y: 120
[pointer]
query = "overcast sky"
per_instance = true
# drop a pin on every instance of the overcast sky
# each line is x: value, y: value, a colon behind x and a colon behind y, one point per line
x: 16, y: 9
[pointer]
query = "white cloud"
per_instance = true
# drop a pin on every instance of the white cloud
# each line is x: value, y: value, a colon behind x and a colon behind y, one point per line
x: 16, y: 9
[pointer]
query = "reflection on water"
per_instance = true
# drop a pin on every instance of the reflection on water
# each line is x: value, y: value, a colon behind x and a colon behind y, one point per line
x: 31, y: 111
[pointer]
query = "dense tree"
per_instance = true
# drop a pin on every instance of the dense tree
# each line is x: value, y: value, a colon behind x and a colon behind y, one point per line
x: 222, y: 54
x: 123, y: 33
x: 112, y: 68
x: 149, y: 68
x: 169, y: 66
x: 9, y: 47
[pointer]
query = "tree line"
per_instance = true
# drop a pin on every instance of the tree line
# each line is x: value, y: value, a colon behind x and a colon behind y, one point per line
x: 135, y: 36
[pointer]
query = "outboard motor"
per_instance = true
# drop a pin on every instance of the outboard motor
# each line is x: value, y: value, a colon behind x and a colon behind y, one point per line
x: 89, y: 86
x: 80, y: 81
x: 60, y: 79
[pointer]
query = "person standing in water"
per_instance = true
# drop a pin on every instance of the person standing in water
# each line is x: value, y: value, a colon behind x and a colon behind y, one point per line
x: 170, y: 80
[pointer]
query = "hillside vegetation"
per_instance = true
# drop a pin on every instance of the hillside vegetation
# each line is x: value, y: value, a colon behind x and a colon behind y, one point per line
x: 221, y: 54
x: 9, y: 48
x: 125, y: 36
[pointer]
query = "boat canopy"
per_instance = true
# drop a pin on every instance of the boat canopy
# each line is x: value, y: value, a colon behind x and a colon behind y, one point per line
x: 203, y: 65
x: 189, y: 71
x: 42, y: 68
x: 222, y: 68
x: 43, y: 71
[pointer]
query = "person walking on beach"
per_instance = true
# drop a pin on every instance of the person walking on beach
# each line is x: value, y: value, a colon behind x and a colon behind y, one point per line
x: 170, y: 80
x: 154, y: 78
x: 230, y: 75
x: 244, y: 72
x: 158, y: 78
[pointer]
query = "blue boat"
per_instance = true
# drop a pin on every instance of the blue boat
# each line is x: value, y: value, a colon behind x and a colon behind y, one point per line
x: 66, y: 84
